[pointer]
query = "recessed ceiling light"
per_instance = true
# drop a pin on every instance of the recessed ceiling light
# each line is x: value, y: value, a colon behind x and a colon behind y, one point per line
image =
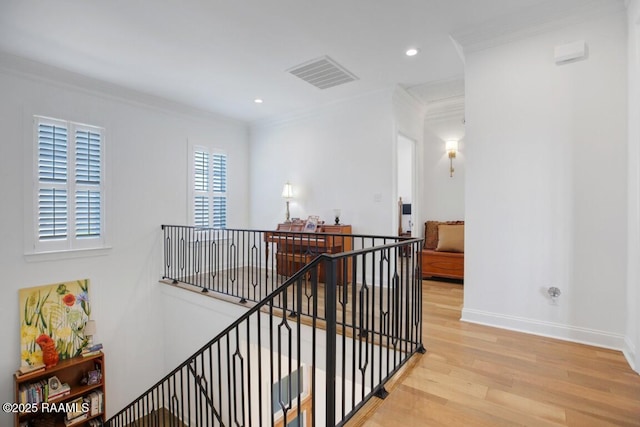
x: 411, y: 52
x: 258, y: 101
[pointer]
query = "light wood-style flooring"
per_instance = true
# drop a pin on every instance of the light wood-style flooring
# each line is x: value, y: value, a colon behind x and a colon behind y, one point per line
x: 475, y: 375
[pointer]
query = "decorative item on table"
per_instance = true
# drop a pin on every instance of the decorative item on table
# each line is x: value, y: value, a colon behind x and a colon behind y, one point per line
x: 56, y: 388
x: 92, y: 377
x: 311, y: 224
x: 336, y: 214
x: 50, y: 355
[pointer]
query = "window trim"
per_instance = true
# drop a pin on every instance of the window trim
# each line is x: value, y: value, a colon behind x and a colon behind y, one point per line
x: 71, y: 243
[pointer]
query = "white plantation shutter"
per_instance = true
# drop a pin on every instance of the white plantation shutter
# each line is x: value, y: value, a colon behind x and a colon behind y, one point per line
x: 88, y: 157
x: 52, y: 214
x: 70, y: 195
x: 201, y: 188
x: 88, y: 214
x: 219, y: 176
x: 201, y: 171
x: 219, y: 173
x: 201, y: 211
x: 209, y: 189
x: 52, y: 152
x: 53, y: 145
x: 219, y: 212
x: 88, y: 179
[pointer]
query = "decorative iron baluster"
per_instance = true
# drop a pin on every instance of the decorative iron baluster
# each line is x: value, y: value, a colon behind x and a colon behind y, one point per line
x: 202, y: 384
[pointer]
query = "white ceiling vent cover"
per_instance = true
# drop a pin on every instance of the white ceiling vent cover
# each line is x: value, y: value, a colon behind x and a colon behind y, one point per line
x: 323, y: 73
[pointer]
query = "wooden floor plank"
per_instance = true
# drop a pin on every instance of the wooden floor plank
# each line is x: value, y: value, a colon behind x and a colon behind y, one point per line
x: 474, y: 375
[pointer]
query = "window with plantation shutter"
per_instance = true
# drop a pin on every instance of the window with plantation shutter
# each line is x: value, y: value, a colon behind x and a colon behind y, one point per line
x: 53, y: 220
x: 209, y: 188
x: 69, y: 202
x: 88, y: 180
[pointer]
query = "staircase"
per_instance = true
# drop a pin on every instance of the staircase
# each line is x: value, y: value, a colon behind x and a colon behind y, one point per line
x: 305, y: 349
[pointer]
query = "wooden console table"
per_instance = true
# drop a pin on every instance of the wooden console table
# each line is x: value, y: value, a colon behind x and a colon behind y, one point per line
x: 296, y: 248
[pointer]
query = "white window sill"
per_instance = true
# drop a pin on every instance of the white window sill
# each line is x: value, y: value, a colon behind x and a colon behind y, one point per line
x: 66, y: 254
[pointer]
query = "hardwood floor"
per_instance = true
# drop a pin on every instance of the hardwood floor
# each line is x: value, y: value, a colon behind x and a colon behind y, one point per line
x: 475, y: 375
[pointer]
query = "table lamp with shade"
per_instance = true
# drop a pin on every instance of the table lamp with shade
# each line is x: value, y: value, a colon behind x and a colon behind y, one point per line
x: 287, y: 193
x: 90, y: 331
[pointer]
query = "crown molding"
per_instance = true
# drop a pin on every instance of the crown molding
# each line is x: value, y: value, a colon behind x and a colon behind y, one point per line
x: 403, y: 99
x: 532, y: 21
x: 447, y: 108
x: 37, y: 71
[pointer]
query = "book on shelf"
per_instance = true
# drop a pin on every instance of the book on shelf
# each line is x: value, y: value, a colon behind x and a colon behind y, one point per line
x: 91, y: 353
x: 94, y: 347
x: 35, y: 392
x: 30, y: 369
x: 75, y: 408
x: 96, y: 402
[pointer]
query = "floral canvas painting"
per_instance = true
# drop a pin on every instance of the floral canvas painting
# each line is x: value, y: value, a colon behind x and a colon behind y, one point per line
x: 60, y: 311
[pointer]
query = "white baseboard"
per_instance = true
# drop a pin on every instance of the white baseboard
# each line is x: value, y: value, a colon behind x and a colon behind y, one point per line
x: 546, y: 329
x: 629, y: 352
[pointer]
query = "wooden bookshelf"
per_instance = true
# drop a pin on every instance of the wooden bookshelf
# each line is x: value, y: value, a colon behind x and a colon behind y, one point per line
x: 70, y: 371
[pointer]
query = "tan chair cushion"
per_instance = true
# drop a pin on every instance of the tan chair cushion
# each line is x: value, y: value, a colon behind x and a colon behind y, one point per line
x: 450, y: 238
x: 431, y: 232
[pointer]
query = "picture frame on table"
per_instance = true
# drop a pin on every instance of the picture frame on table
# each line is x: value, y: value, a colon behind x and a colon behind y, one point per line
x: 312, y: 224
x: 94, y: 377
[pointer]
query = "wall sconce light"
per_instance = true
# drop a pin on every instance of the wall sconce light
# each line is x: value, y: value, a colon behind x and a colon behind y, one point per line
x: 287, y: 193
x: 452, y: 150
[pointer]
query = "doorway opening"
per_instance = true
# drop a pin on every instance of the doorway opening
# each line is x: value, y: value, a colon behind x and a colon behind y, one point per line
x: 405, y: 185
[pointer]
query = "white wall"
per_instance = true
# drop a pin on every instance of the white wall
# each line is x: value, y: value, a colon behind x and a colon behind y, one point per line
x: 342, y: 157
x: 443, y: 195
x: 632, y: 335
x: 147, y: 177
x: 546, y: 185
x: 405, y: 168
x: 188, y: 318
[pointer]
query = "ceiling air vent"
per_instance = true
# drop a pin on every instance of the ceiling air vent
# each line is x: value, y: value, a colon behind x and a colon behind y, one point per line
x: 323, y: 73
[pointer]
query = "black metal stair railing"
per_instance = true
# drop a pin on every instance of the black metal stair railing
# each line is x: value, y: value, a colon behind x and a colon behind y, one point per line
x: 317, y: 345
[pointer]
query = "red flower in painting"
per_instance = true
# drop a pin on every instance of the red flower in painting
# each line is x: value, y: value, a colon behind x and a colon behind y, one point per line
x: 69, y: 300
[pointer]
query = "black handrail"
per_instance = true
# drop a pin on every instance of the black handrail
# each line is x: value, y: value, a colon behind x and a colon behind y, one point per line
x: 366, y: 313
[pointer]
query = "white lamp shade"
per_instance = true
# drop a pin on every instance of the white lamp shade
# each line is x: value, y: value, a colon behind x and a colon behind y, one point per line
x: 287, y: 191
x: 451, y: 146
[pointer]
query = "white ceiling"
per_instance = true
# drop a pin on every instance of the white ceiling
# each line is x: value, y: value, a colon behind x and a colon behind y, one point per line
x: 219, y: 55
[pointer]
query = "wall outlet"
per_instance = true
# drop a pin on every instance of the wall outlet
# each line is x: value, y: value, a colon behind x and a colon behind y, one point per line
x: 554, y: 293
